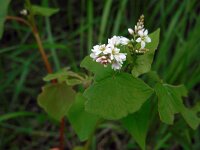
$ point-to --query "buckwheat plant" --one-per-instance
(121, 87)
(116, 83)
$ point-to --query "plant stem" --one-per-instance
(37, 38)
(19, 19)
(32, 25)
(42, 52)
(62, 128)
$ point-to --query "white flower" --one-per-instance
(116, 57)
(143, 38)
(131, 32)
(98, 49)
(114, 41)
(116, 65)
(117, 40)
(120, 57)
(114, 53)
(93, 56)
(110, 53)
(123, 40)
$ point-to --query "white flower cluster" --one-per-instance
(110, 53)
(140, 35)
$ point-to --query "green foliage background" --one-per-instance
(67, 37)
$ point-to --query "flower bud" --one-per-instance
(130, 31)
(24, 12)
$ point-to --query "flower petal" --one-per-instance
(108, 50)
(92, 55)
(145, 32)
(147, 39)
(142, 44)
(140, 33)
(124, 41)
(122, 56)
(111, 57)
(116, 50)
(116, 66)
(138, 40)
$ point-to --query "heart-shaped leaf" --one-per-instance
(56, 99)
(116, 96)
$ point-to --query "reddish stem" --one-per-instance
(62, 127)
(19, 20)
(46, 62)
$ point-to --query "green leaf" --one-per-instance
(116, 96)
(3, 12)
(166, 106)
(153, 78)
(190, 117)
(83, 122)
(61, 75)
(56, 99)
(170, 102)
(137, 124)
(143, 62)
(100, 72)
(43, 11)
(65, 75)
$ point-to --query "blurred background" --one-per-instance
(68, 37)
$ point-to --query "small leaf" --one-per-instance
(43, 11)
(83, 122)
(170, 102)
(65, 75)
(100, 72)
(3, 12)
(137, 124)
(143, 62)
(61, 75)
(116, 96)
(56, 99)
